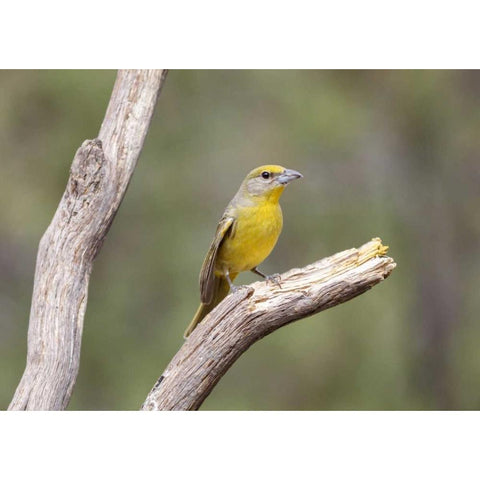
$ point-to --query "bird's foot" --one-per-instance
(274, 278)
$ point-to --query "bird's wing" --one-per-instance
(207, 274)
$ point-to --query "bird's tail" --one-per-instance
(221, 289)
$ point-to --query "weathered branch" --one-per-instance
(257, 310)
(99, 176)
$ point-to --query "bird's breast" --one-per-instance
(254, 235)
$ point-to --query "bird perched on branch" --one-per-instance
(245, 236)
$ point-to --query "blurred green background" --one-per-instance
(393, 154)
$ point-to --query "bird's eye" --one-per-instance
(265, 175)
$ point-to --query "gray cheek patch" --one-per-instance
(257, 186)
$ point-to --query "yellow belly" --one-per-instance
(256, 233)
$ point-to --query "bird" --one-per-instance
(246, 234)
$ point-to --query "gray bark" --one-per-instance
(99, 176)
(254, 311)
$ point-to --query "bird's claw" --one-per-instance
(274, 278)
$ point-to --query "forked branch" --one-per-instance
(257, 310)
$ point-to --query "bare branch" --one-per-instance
(257, 310)
(99, 176)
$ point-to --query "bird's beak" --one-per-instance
(288, 175)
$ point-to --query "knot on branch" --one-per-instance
(87, 170)
(85, 213)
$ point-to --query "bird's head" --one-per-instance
(269, 181)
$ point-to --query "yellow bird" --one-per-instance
(245, 236)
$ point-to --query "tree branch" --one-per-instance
(257, 310)
(99, 176)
